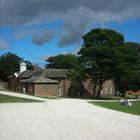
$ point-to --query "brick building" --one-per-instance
(40, 86)
(53, 82)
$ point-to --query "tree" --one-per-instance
(98, 57)
(9, 63)
(103, 37)
(128, 69)
(77, 76)
(62, 61)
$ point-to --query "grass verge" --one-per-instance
(11, 99)
(135, 109)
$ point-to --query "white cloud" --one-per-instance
(3, 44)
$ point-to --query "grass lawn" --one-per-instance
(105, 97)
(135, 109)
(11, 99)
(116, 97)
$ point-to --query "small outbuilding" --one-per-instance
(40, 86)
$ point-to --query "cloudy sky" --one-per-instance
(37, 29)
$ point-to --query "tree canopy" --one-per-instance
(98, 56)
(62, 61)
(127, 73)
(103, 37)
(105, 55)
(9, 63)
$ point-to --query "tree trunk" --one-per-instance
(116, 87)
(94, 91)
(99, 91)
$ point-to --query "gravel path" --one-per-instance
(65, 119)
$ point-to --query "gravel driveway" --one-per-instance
(65, 119)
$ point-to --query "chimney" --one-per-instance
(36, 67)
(23, 67)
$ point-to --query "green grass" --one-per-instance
(135, 109)
(11, 99)
(109, 97)
(105, 97)
(116, 97)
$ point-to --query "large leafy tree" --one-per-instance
(128, 69)
(9, 63)
(98, 56)
(62, 61)
(103, 37)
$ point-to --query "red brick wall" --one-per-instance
(46, 89)
(67, 86)
(63, 86)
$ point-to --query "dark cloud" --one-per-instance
(72, 32)
(77, 15)
(43, 37)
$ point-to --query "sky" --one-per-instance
(38, 29)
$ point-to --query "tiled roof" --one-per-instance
(39, 80)
(31, 73)
(55, 73)
(26, 74)
(48, 73)
(16, 74)
(37, 73)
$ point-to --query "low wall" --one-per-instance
(3, 85)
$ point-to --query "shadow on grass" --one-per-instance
(12, 99)
(94, 98)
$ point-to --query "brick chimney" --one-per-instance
(36, 67)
